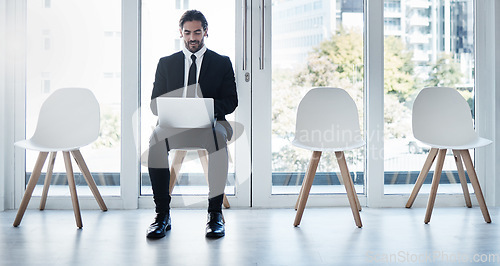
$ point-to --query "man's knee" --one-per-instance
(226, 128)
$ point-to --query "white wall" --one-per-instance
(2, 104)
(9, 49)
(497, 98)
(485, 95)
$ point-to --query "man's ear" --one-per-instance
(206, 32)
(180, 32)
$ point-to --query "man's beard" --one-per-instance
(196, 48)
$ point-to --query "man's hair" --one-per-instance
(193, 15)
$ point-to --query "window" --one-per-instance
(392, 24)
(435, 51)
(76, 53)
(392, 6)
(307, 56)
(86, 36)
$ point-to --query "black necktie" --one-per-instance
(191, 90)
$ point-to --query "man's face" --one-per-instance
(193, 34)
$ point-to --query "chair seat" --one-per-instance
(33, 145)
(475, 143)
(189, 149)
(349, 146)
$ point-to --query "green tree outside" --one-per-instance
(445, 72)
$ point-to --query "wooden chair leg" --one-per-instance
(475, 184)
(354, 191)
(461, 176)
(72, 189)
(48, 178)
(225, 202)
(176, 167)
(307, 183)
(341, 180)
(88, 178)
(35, 175)
(422, 176)
(229, 156)
(300, 194)
(435, 184)
(344, 171)
(203, 155)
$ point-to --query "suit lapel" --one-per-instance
(205, 64)
(179, 61)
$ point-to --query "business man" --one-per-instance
(193, 72)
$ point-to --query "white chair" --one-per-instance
(177, 164)
(68, 119)
(442, 119)
(327, 120)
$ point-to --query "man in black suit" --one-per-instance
(193, 72)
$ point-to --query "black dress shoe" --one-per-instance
(160, 225)
(215, 225)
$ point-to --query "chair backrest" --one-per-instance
(68, 119)
(327, 120)
(442, 118)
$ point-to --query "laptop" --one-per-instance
(185, 112)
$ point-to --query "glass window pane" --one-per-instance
(314, 43)
(427, 43)
(77, 43)
(160, 37)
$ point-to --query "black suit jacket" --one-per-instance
(216, 80)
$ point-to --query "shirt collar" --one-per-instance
(198, 54)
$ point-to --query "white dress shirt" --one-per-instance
(187, 65)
